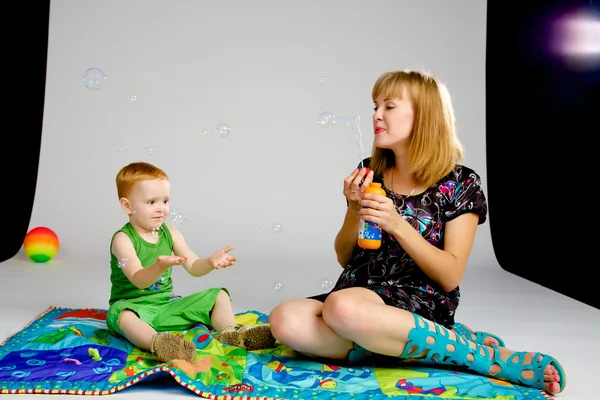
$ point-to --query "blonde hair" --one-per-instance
(134, 173)
(434, 148)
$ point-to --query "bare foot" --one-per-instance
(551, 375)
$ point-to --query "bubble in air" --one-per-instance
(223, 130)
(149, 150)
(355, 126)
(94, 78)
(277, 286)
(277, 228)
(121, 147)
(133, 98)
(204, 132)
(122, 262)
(326, 284)
(325, 118)
(348, 123)
(323, 78)
(175, 218)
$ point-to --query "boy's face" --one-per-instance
(148, 203)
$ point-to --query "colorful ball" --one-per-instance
(41, 244)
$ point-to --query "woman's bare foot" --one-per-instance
(551, 376)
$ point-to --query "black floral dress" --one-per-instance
(391, 273)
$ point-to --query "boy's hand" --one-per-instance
(168, 261)
(221, 258)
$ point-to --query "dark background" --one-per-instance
(542, 120)
(24, 56)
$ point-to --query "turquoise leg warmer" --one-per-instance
(479, 336)
(442, 348)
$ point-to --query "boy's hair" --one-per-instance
(434, 148)
(134, 173)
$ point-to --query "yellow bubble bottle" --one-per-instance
(369, 233)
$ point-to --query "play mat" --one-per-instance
(70, 351)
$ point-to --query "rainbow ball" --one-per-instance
(41, 244)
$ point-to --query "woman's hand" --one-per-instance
(380, 210)
(353, 187)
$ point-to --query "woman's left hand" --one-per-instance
(380, 210)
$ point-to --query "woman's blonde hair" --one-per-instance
(134, 173)
(434, 148)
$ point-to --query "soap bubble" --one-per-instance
(355, 126)
(325, 118)
(204, 132)
(122, 262)
(175, 218)
(277, 286)
(325, 284)
(223, 130)
(149, 150)
(323, 78)
(121, 147)
(277, 228)
(94, 78)
(133, 98)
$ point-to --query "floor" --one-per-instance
(526, 315)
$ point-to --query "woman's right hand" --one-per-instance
(353, 187)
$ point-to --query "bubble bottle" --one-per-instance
(369, 233)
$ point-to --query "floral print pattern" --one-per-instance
(391, 273)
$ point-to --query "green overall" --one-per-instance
(155, 305)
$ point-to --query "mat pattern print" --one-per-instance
(69, 351)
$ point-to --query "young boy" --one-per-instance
(142, 304)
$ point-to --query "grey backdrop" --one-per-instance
(267, 69)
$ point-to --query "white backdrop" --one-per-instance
(267, 69)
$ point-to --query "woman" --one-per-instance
(400, 299)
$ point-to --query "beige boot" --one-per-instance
(252, 337)
(168, 347)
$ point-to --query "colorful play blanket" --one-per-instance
(70, 351)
